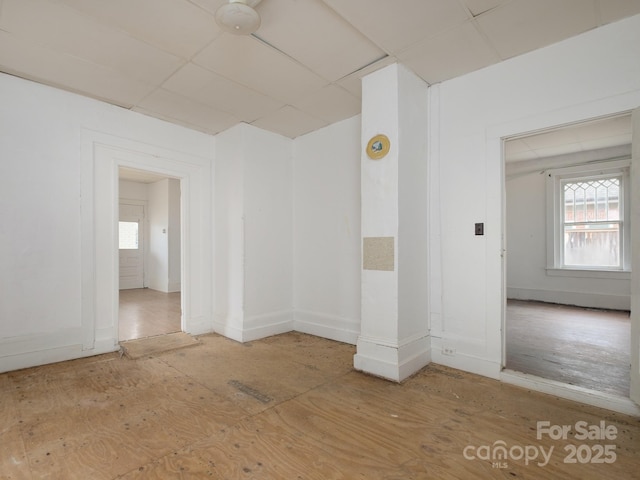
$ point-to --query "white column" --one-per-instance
(394, 338)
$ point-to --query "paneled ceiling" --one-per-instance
(299, 72)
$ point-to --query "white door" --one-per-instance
(635, 257)
(131, 246)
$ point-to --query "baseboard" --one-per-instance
(230, 327)
(45, 356)
(393, 362)
(571, 392)
(22, 344)
(255, 327)
(199, 325)
(467, 363)
(267, 325)
(326, 326)
(588, 300)
(102, 347)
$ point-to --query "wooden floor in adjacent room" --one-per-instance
(145, 313)
(579, 346)
(287, 407)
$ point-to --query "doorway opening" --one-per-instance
(567, 316)
(149, 252)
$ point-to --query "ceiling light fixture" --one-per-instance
(238, 17)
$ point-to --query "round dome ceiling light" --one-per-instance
(238, 17)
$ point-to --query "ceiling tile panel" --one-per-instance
(396, 25)
(608, 127)
(522, 25)
(478, 7)
(316, 36)
(209, 5)
(252, 63)
(449, 54)
(290, 122)
(557, 150)
(175, 26)
(331, 104)
(606, 142)
(552, 138)
(189, 80)
(353, 83)
(69, 73)
(63, 29)
(178, 109)
(203, 86)
(612, 10)
(517, 150)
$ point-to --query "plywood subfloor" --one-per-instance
(578, 346)
(146, 313)
(287, 407)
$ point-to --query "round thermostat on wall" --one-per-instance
(378, 147)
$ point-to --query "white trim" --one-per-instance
(581, 299)
(392, 363)
(463, 361)
(264, 325)
(336, 328)
(249, 328)
(104, 154)
(571, 392)
(36, 350)
(589, 273)
(228, 327)
(571, 114)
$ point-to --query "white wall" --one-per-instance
(591, 75)
(253, 234)
(228, 225)
(527, 278)
(174, 280)
(43, 255)
(163, 263)
(268, 229)
(326, 231)
(413, 213)
(158, 255)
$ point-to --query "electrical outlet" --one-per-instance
(448, 351)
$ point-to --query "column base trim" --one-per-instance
(395, 363)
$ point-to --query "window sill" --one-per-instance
(586, 273)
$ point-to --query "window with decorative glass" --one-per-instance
(590, 228)
(592, 222)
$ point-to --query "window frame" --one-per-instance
(555, 215)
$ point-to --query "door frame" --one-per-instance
(495, 136)
(103, 156)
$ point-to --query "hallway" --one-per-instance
(146, 313)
